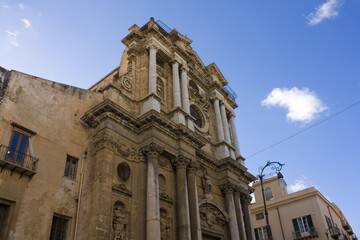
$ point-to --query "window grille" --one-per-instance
(58, 228)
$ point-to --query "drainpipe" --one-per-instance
(282, 230)
(79, 194)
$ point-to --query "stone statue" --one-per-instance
(164, 225)
(120, 222)
(207, 187)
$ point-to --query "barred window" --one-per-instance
(58, 228)
(70, 167)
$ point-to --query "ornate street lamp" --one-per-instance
(276, 166)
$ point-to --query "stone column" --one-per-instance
(234, 135)
(239, 215)
(152, 153)
(219, 125)
(228, 190)
(183, 218)
(246, 199)
(225, 124)
(194, 202)
(176, 84)
(152, 69)
(184, 90)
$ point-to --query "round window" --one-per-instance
(197, 115)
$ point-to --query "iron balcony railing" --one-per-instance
(233, 95)
(303, 235)
(345, 224)
(166, 28)
(17, 161)
(334, 232)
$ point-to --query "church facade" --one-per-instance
(148, 152)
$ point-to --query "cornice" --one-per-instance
(108, 109)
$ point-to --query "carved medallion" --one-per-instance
(123, 171)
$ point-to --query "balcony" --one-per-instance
(345, 224)
(311, 233)
(17, 161)
(334, 232)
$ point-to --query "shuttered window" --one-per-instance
(261, 233)
(303, 226)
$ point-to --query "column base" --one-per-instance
(178, 116)
(190, 122)
(222, 151)
(151, 102)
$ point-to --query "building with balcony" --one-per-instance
(148, 152)
(305, 214)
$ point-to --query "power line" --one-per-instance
(314, 125)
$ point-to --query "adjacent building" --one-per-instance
(148, 152)
(305, 214)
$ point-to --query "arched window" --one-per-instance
(197, 115)
(193, 85)
(268, 194)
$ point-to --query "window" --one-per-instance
(259, 216)
(18, 146)
(195, 113)
(58, 228)
(303, 226)
(268, 194)
(4, 213)
(328, 220)
(70, 167)
(261, 233)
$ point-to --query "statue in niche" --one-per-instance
(207, 187)
(120, 222)
(164, 225)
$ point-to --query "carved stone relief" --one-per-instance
(105, 140)
(120, 222)
(212, 217)
(164, 224)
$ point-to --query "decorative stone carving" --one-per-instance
(121, 188)
(105, 140)
(120, 222)
(164, 196)
(160, 88)
(127, 84)
(164, 225)
(123, 171)
(212, 217)
(152, 150)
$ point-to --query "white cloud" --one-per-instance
(5, 6)
(300, 183)
(327, 10)
(301, 104)
(21, 6)
(12, 38)
(26, 22)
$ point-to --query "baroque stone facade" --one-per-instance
(148, 152)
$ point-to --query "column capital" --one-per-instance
(175, 61)
(228, 187)
(152, 150)
(239, 191)
(246, 199)
(181, 162)
(193, 167)
(184, 67)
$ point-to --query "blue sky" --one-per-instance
(292, 64)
